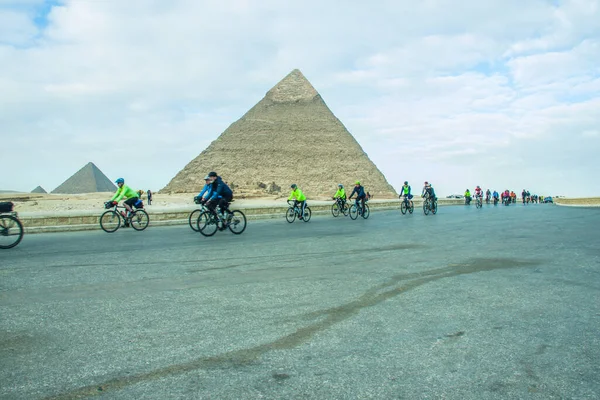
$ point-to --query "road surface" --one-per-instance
(468, 304)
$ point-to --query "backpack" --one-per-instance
(6, 207)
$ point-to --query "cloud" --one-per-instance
(475, 93)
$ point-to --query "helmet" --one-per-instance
(212, 174)
(357, 183)
(120, 180)
(427, 183)
(477, 186)
(406, 182)
(340, 185)
(207, 177)
(294, 186)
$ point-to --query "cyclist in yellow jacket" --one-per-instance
(299, 198)
(125, 191)
(341, 195)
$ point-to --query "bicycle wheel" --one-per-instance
(434, 207)
(237, 222)
(140, 220)
(353, 211)
(110, 221)
(193, 219)
(426, 207)
(366, 212)
(403, 208)
(290, 215)
(11, 231)
(346, 209)
(412, 207)
(335, 209)
(479, 205)
(307, 214)
(207, 225)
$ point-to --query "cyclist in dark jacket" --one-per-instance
(359, 191)
(220, 194)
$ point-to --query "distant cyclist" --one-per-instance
(428, 191)
(299, 199)
(488, 195)
(359, 191)
(467, 197)
(405, 191)
(124, 191)
(340, 195)
(204, 194)
(496, 196)
(220, 194)
(478, 192)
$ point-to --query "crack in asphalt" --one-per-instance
(328, 318)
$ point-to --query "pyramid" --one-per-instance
(88, 179)
(38, 189)
(290, 136)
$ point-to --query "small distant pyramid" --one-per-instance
(290, 136)
(39, 189)
(88, 179)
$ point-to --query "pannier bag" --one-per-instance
(6, 207)
(139, 204)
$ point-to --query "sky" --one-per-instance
(502, 94)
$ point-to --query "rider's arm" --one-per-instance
(292, 195)
(352, 194)
(119, 194)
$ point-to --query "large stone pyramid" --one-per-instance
(88, 179)
(290, 136)
(39, 189)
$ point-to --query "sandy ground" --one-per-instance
(28, 202)
(587, 201)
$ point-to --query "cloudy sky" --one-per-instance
(504, 94)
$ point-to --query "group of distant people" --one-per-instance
(507, 196)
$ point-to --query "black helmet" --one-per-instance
(294, 186)
(406, 182)
(212, 174)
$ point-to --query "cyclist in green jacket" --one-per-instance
(126, 192)
(341, 195)
(299, 198)
(405, 190)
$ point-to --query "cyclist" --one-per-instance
(478, 192)
(340, 195)
(124, 191)
(495, 195)
(488, 194)
(506, 196)
(428, 191)
(467, 197)
(405, 191)
(359, 191)
(299, 198)
(220, 194)
(205, 193)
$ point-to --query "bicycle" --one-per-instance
(294, 211)
(478, 202)
(210, 221)
(357, 209)
(407, 205)
(430, 205)
(111, 220)
(11, 229)
(194, 215)
(339, 206)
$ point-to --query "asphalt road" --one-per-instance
(468, 304)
